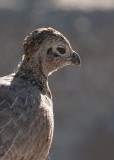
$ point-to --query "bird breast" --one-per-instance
(41, 132)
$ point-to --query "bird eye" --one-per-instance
(61, 49)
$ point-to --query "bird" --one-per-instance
(26, 104)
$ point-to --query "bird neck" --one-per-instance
(32, 73)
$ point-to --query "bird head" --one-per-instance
(49, 49)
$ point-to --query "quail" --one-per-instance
(26, 107)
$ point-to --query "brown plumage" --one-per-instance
(26, 109)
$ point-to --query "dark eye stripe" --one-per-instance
(61, 50)
(49, 51)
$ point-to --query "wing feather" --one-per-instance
(25, 123)
(15, 106)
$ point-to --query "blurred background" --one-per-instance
(83, 96)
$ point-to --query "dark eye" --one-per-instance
(61, 50)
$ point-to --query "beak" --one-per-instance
(75, 59)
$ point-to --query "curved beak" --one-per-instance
(74, 59)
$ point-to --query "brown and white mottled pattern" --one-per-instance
(26, 108)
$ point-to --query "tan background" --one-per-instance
(83, 97)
